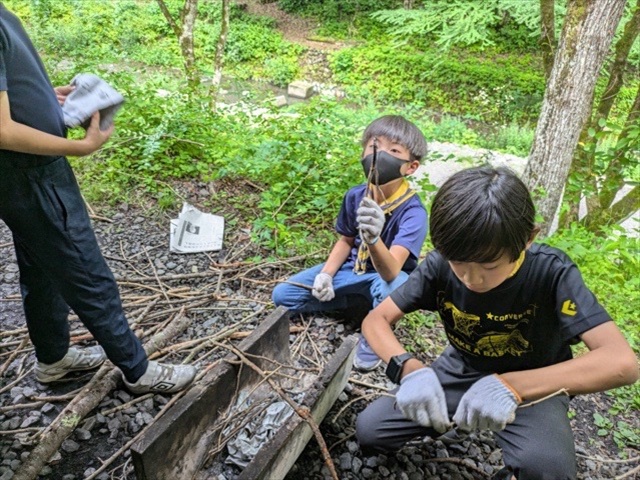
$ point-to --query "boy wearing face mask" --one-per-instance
(382, 225)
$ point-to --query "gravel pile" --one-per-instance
(136, 246)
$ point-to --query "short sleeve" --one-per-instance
(412, 231)
(346, 222)
(576, 306)
(419, 292)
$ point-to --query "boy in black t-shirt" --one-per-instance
(510, 309)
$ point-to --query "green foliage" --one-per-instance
(610, 266)
(307, 158)
(514, 24)
(499, 88)
(613, 154)
(624, 435)
(335, 10)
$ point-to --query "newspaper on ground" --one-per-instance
(195, 231)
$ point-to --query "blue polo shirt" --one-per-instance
(405, 226)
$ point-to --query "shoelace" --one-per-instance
(166, 372)
(84, 359)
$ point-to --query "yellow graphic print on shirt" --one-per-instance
(463, 322)
(506, 339)
(569, 308)
(498, 344)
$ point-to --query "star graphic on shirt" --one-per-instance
(490, 316)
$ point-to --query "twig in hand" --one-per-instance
(301, 285)
(562, 391)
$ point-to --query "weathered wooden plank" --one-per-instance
(175, 447)
(278, 455)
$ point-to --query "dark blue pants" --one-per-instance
(61, 265)
(538, 445)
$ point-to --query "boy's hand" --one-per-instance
(490, 403)
(63, 92)
(370, 218)
(95, 137)
(323, 287)
(421, 399)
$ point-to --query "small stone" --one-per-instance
(345, 461)
(442, 453)
(367, 473)
(46, 471)
(30, 420)
(280, 101)
(356, 465)
(82, 434)
(495, 457)
(70, 446)
(300, 89)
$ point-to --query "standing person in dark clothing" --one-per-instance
(60, 263)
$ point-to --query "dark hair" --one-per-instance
(397, 129)
(480, 214)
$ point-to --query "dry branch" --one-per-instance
(302, 412)
(105, 380)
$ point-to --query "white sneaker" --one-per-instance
(75, 360)
(163, 378)
(365, 360)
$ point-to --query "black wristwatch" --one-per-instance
(394, 368)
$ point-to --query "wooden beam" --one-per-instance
(278, 455)
(175, 447)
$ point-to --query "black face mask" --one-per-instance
(387, 165)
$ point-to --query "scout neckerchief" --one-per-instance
(401, 195)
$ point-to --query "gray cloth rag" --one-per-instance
(91, 94)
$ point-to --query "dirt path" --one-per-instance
(295, 29)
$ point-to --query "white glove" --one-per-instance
(323, 287)
(488, 404)
(421, 399)
(370, 218)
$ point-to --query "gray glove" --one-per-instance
(421, 399)
(488, 404)
(370, 218)
(323, 287)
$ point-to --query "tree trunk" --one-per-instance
(547, 35)
(184, 32)
(219, 58)
(188, 16)
(585, 40)
(583, 160)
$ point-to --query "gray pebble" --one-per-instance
(70, 446)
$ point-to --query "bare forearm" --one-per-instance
(21, 138)
(377, 329)
(595, 371)
(384, 262)
(609, 363)
(339, 254)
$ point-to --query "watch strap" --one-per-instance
(394, 368)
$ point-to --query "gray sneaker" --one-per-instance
(364, 359)
(76, 360)
(163, 378)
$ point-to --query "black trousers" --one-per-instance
(61, 265)
(538, 445)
